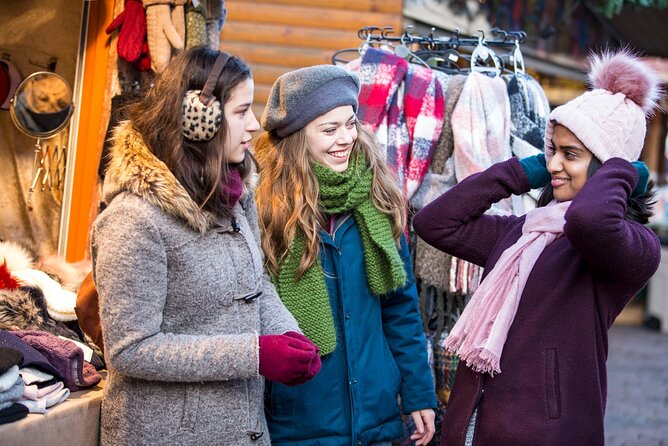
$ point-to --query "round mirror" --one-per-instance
(42, 105)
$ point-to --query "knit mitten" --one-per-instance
(195, 26)
(215, 18)
(131, 24)
(536, 170)
(286, 359)
(643, 178)
(162, 35)
(179, 20)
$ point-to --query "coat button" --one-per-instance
(255, 436)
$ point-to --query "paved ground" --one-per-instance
(637, 410)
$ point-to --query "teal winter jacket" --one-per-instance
(380, 356)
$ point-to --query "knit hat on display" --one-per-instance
(610, 119)
(300, 96)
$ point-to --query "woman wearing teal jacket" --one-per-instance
(332, 227)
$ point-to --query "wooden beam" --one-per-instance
(267, 74)
(283, 56)
(297, 36)
(386, 6)
(307, 16)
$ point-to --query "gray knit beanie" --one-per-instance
(300, 96)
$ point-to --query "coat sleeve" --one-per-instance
(624, 251)
(275, 318)
(402, 326)
(455, 222)
(130, 271)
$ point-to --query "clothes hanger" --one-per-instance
(405, 53)
(484, 53)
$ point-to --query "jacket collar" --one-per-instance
(134, 168)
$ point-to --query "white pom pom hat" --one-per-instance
(610, 119)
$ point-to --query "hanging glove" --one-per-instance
(286, 359)
(179, 20)
(131, 24)
(144, 61)
(536, 170)
(162, 36)
(215, 18)
(195, 25)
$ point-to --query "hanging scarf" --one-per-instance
(481, 331)
(307, 298)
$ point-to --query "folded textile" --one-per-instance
(40, 405)
(33, 392)
(32, 375)
(8, 397)
(8, 378)
(31, 356)
(13, 413)
(65, 356)
(9, 357)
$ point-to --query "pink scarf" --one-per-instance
(481, 331)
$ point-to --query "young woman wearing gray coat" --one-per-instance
(189, 318)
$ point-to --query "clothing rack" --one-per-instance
(375, 34)
(445, 53)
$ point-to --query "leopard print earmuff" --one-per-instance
(202, 111)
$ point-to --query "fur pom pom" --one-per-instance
(16, 256)
(18, 311)
(624, 72)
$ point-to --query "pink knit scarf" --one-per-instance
(481, 331)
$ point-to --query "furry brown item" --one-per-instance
(18, 311)
(134, 168)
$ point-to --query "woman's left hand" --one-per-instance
(424, 426)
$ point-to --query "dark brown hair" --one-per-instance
(199, 167)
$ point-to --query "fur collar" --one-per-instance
(133, 168)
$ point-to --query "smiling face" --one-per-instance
(330, 137)
(241, 122)
(569, 165)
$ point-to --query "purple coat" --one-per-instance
(552, 386)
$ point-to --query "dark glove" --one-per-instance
(316, 364)
(286, 359)
(536, 170)
(643, 178)
(132, 24)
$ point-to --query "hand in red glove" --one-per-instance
(316, 364)
(132, 24)
(287, 359)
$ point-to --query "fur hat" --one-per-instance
(300, 96)
(610, 119)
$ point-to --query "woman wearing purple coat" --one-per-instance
(533, 340)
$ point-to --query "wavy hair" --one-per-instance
(287, 195)
(200, 167)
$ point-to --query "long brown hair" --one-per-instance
(199, 167)
(287, 196)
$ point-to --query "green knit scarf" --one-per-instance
(307, 298)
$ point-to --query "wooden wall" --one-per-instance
(276, 36)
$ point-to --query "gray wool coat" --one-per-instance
(181, 343)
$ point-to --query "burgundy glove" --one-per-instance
(286, 359)
(316, 364)
(132, 24)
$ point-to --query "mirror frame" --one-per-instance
(40, 135)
